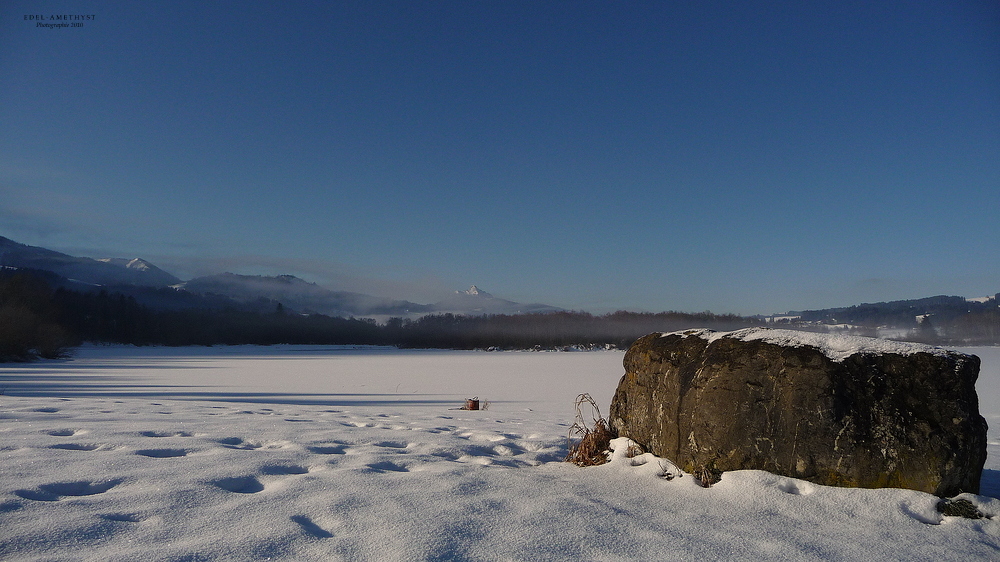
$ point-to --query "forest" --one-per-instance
(42, 318)
(37, 320)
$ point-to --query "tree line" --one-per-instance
(940, 320)
(37, 320)
(30, 320)
(40, 316)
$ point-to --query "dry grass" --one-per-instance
(669, 470)
(633, 450)
(708, 475)
(594, 439)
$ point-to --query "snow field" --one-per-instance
(224, 454)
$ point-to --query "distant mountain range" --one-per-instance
(302, 296)
(158, 289)
(298, 295)
(108, 271)
(936, 310)
(141, 279)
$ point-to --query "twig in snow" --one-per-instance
(595, 439)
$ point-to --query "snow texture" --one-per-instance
(305, 453)
(837, 347)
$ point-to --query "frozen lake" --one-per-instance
(325, 376)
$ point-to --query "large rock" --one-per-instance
(834, 410)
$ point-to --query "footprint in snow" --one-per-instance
(505, 451)
(76, 446)
(239, 484)
(283, 469)
(238, 443)
(122, 517)
(65, 432)
(162, 453)
(328, 450)
(164, 434)
(532, 446)
(449, 455)
(58, 490)
(387, 466)
(311, 528)
(7, 507)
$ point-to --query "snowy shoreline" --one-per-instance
(307, 454)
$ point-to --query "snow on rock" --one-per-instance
(837, 347)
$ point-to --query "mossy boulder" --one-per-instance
(833, 410)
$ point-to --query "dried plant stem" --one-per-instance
(595, 438)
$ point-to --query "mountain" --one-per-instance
(141, 272)
(301, 296)
(904, 313)
(476, 301)
(149, 285)
(107, 271)
(475, 292)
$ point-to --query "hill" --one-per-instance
(106, 271)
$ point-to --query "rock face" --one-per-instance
(833, 410)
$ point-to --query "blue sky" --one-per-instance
(726, 156)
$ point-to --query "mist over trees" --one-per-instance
(548, 330)
(39, 321)
(41, 316)
(939, 320)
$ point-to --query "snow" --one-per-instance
(316, 453)
(475, 292)
(134, 263)
(837, 347)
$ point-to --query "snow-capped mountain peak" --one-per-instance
(475, 292)
(107, 271)
(138, 264)
(138, 269)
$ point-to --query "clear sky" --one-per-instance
(748, 157)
